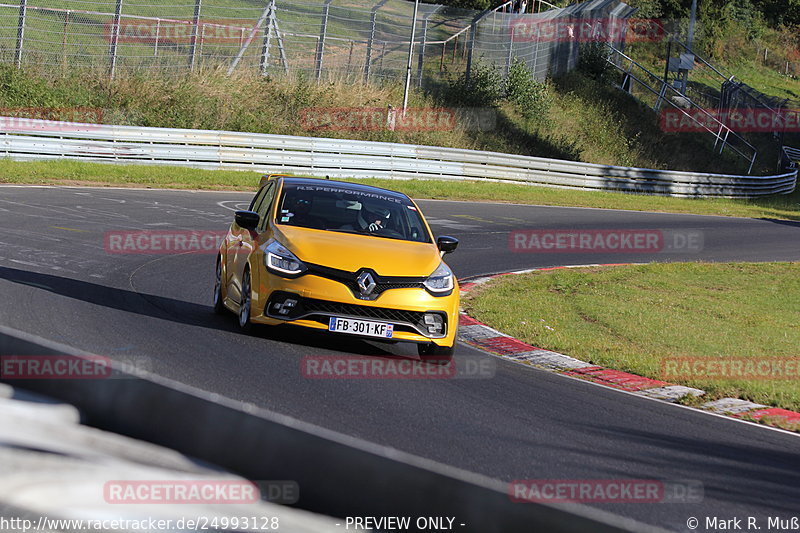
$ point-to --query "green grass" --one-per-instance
(62, 172)
(587, 121)
(83, 39)
(632, 318)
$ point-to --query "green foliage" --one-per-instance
(484, 88)
(646, 8)
(778, 12)
(531, 97)
(745, 14)
(592, 61)
(487, 88)
(479, 5)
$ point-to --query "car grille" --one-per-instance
(362, 311)
(382, 283)
(322, 310)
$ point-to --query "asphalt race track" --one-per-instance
(58, 281)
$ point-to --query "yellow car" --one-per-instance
(341, 257)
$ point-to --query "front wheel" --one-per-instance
(219, 306)
(435, 354)
(244, 305)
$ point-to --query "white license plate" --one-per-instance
(361, 327)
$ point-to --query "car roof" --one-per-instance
(292, 180)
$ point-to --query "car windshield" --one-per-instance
(346, 210)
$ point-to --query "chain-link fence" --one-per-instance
(764, 120)
(328, 38)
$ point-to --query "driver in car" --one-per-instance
(376, 219)
(369, 220)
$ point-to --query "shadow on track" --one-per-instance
(182, 312)
(773, 478)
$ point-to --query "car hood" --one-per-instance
(350, 252)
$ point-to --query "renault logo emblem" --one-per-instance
(366, 283)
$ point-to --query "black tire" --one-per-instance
(245, 303)
(219, 306)
(435, 354)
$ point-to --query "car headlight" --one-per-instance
(440, 283)
(279, 260)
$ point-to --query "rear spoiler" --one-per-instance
(266, 177)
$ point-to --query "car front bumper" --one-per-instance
(320, 298)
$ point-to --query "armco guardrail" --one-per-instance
(24, 139)
(337, 475)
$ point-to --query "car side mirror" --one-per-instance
(446, 244)
(247, 219)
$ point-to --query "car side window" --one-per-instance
(258, 198)
(265, 206)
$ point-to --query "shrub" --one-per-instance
(485, 87)
(531, 97)
(592, 61)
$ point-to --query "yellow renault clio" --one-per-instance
(342, 257)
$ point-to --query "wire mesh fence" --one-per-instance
(324, 38)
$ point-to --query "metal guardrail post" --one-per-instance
(323, 31)
(193, 38)
(115, 39)
(371, 40)
(23, 9)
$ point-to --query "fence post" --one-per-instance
(371, 40)
(410, 61)
(158, 35)
(115, 39)
(64, 41)
(267, 37)
(350, 57)
(473, 31)
(243, 47)
(323, 31)
(421, 59)
(193, 38)
(23, 9)
(510, 52)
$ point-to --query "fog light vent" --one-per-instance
(434, 323)
(285, 307)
